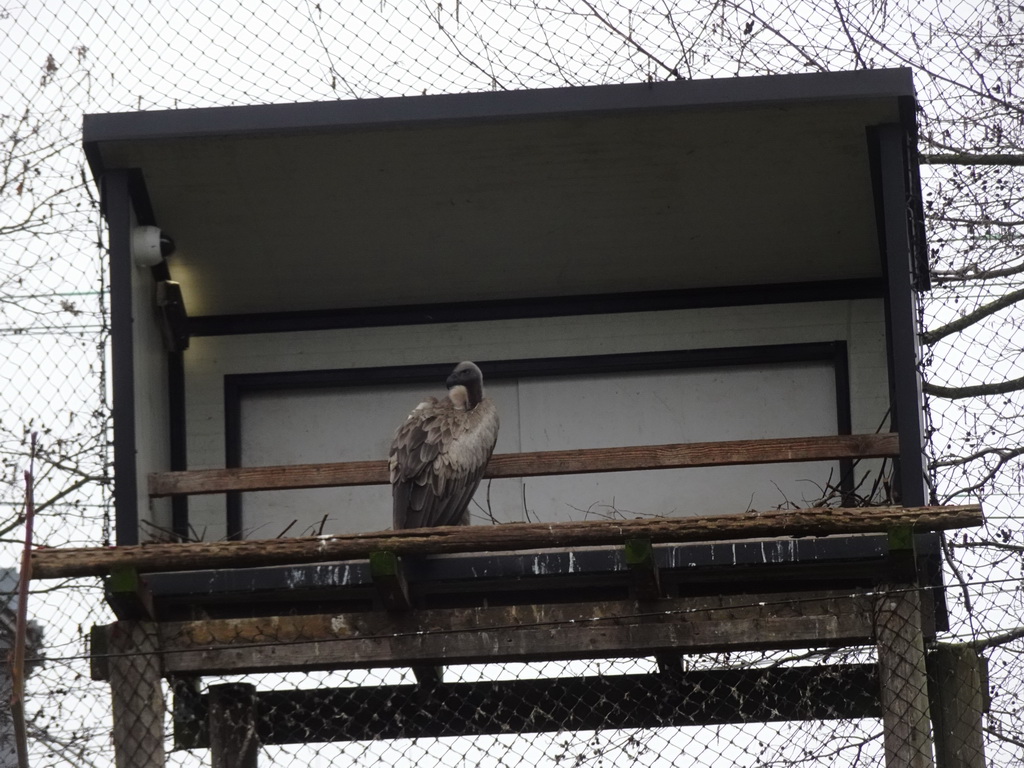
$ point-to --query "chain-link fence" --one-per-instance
(61, 60)
(855, 706)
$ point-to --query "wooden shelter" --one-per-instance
(631, 265)
(688, 299)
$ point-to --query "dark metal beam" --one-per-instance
(535, 103)
(572, 703)
(117, 206)
(515, 309)
(897, 238)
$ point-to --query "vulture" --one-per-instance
(439, 454)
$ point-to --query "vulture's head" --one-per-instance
(466, 385)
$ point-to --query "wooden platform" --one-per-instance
(427, 599)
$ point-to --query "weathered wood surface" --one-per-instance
(957, 679)
(550, 705)
(97, 561)
(137, 695)
(903, 681)
(514, 633)
(232, 718)
(581, 461)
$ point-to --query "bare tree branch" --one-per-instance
(846, 30)
(970, 158)
(64, 492)
(1001, 639)
(972, 273)
(977, 221)
(986, 310)
(808, 59)
(974, 390)
(1004, 454)
(1000, 545)
(1003, 736)
(628, 37)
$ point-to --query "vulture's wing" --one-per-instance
(414, 450)
(465, 460)
(437, 459)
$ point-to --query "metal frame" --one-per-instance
(178, 434)
(117, 207)
(898, 206)
(509, 105)
(519, 309)
(237, 385)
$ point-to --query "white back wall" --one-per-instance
(733, 402)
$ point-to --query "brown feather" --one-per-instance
(437, 459)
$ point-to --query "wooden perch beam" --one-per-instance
(513, 633)
(674, 456)
(97, 561)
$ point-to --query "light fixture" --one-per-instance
(150, 246)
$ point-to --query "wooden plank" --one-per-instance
(99, 652)
(956, 674)
(580, 461)
(187, 702)
(546, 705)
(136, 693)
(388, 576)
(514, 633)
(906, 719)
(232, 719)
(178, 556)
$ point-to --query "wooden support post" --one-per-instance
(647, 587)
(902, 555)
(232, 723)
(389, 578)
(99, 652)
(393, 588)
(137, 697)
(902, 678)
(641, 563)
(957, 677)
(186, 702)
(128, 594)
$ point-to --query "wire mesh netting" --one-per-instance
(62, 60)
(744, 708)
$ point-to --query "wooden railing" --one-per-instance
(673, 456)
(201, 555)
